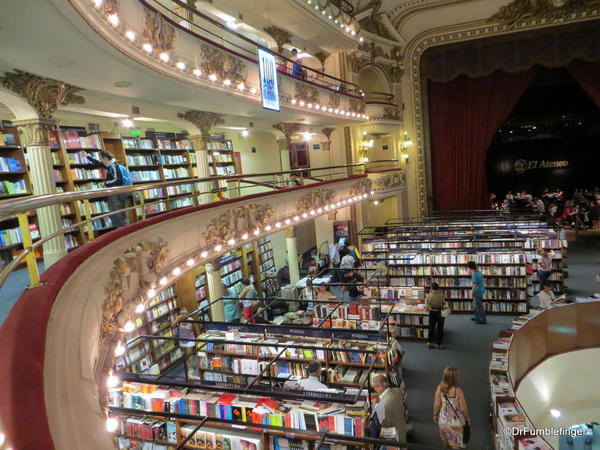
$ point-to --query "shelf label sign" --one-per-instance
(269, 88)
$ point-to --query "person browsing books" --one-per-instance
(312, 382)
(390, 411)
(116, 175)
(323, 293)
(231, 306)
(478, 291)
(249, 294)
(434, 303)
(546, 296)
(544, 265)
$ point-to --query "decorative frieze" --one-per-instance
(315, 199)
(280, 36)
(361, 187)
(306, 93)
(203, 120)
(158, 32)
(235, 221)
(556, 10)
(389, 181)
(223, 64)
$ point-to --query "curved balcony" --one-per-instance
(384, 115)
(190, 47)
(553, 364)
(76, 316)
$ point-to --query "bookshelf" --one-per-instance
(232, 264)
(221, 161)
(154, 356)
(267, 270)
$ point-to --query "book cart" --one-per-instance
(170, 407)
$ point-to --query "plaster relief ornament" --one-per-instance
(389, 181)
(45, 95)
(522, 10)
(159, 32)
(307, 93)
(362, 187)
(222, 64)
(235, 221)
(315, 199)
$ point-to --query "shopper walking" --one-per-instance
(116, 175)
(249, 295)
(231, 305)
(477, 291)
(544, 265)
(435, 303)
(390, 411)
(450, 411)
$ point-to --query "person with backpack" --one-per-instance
(116, 175)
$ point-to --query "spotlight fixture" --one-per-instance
(113, 19)
(164, 57)
(130, 35)
(151, 294)
(212, 77)
(140, 308)
(204, 254)
(127, 122)
(190, 262)
(256, 232)
(244, 236)
(241, 86)
(227, 82)
(268, 228)
(180, 65)
(231, 242)
(245, 133)
(129, 326)
(287, 221)
(218, 248)
(147, 48)
(253, 90)
(197, 72)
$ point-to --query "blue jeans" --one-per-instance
(479, 310)
(543, 275)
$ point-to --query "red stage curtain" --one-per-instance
(464, 114)
(587, 75)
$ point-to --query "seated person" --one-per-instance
(310, 383)
(323, 293)
(295, 180)
(547, 297)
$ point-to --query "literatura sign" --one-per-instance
(522, 165)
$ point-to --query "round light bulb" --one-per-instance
(176, 271)
(278, 225)
(312, 212)
(204, 254)
(326, 207)
(190, 262)
(129, 326)
(317, 107)
(140, 308)
(287, 221)
(294, 101)
(241, 86)
(319, 211)
(97, 4)
(112, 381)
(163, 281)
(218, 248)
(310, 105)
(130, 35)
(181, 65)
(227, 82)
(113, 19)
(296, 218)
(164, 57)
(245, 236)
(119, 350)
(302, 102)
(372, 192)
(256, 232)
(147, 48)
(212, 77)
(231, 241)
(151, 294)
(112, 424)
(197, 72)
(253, 90)
(268, 228)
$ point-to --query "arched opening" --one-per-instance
(375, 85)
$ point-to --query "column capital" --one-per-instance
(203, 120)
(290, 232)
(45, 95)
(34, 132)
(280, 36)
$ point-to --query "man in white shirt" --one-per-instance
(334, 257)
(312, 382)
(546, 296)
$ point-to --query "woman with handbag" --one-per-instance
(450, 411)
(438, 310)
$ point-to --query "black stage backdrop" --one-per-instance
(534, 165)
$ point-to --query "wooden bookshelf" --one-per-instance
(267, 267)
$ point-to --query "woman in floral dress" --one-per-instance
(450, 411)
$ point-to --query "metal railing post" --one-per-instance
(34, 275)
(88, 213)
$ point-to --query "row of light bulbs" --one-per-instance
(112, 380)
(165, 57)
(182, 66)
(348, 28)
(324, 108)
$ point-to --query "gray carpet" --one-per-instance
(12, 289)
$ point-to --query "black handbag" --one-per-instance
(466, 426)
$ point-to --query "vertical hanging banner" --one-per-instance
(268, 80)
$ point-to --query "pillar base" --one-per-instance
(51, 256)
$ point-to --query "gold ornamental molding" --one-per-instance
(446, 35)
(223, 64)
(322, 57)
(362, 187)
(203, 120)
(392, 113)
(315, 199)
(556, 10)
(131, 275)
(306, 93)
(45, 95)
(34, 132)
(159, 32)
(327, 132)
(236, 221)
(280, 36)
(357, 106)
(390, 181)
(288, 129)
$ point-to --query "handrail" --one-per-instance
(344, 5)
(338, 84)
(379, 97)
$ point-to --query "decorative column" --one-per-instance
(204, 121)
(45, 95)
(280, 36)
(292, 251)
(327, 132)
(288, 129)
(215, 291)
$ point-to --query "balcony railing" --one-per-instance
(379, 98)
(236, 186)
(205, 28)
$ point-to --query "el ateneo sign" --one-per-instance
(522, 165)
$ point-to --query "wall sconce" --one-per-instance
(404, 147)
(245, 133)
(364, 150)
(127, 122)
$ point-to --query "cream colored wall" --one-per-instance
(305, 236)
(279, 249)
(323, 233)
(376, 215)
